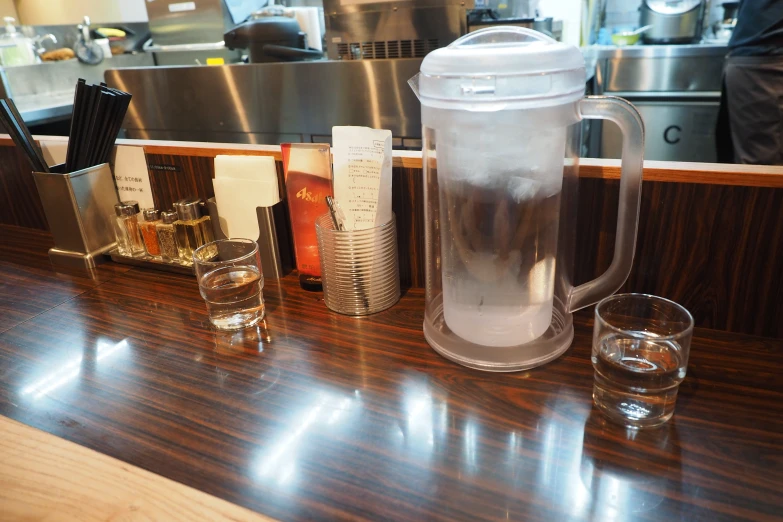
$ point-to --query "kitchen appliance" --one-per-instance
(673, 21)
(192, 32)
(482, 19)
(501, 111)
(509, 8)
(367, 29)
(723, 29)
(676, 89)
(271, 39)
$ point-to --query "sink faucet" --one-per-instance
(39, 40)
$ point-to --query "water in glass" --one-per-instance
(233, 296)
(637, 378)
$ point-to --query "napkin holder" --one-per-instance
(274, 239)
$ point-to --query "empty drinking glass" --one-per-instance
(640, 353)
(230, 280)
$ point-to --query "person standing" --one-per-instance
(752, 101)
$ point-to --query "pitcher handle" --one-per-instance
(630, 122)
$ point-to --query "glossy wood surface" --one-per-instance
(28, 286)
(43, 477)
(322, 416)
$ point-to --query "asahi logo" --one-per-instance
(308, 196)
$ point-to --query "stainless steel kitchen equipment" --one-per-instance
(673, 21)
(676, 88)
(183, 32)
(79, 207)
(44, 92)
(367, 29)
(481, 20)
(271, 102)
(508, 9)
(723, 29)
(271, 39)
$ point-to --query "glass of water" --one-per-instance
(640, 353)
(230, 280)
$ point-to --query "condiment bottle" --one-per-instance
(149, 232)
(167, 236)
(126, 229)
(193, 230)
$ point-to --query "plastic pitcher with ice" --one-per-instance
(501, 115)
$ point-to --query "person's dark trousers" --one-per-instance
(754, 103)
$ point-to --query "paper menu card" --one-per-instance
(132, 176)
(362, 159)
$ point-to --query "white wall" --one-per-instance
(7, 8)
(570, 12)
(57, 12)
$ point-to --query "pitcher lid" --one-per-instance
(503, 64)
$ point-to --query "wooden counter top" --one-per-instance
(321, 416)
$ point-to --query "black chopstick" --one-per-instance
(98, 113)
(21, 136)
(78, 102)
(26, 133)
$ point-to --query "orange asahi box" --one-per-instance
(308, 180)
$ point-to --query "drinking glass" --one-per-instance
(640, 353)
(230, 280)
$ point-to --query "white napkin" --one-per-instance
(241, 184)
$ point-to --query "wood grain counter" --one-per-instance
(319, 416)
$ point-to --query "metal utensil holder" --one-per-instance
(274, 238)
(359, 269)
(79, 207)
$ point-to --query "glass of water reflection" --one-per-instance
(230, 280)
(640, 353)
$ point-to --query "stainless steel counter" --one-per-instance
(676, 88)
(272, 102)
(44, 92)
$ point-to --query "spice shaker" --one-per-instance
(126, 229)
(192, 229)
(167, 236)
(149, 232)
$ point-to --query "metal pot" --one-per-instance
(673, 21)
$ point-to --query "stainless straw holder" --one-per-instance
(79, 207)
(359, 269)
(274, 243)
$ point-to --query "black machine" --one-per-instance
(271, 39)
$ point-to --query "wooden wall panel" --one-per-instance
(715, 249)
(408, 207)
(174, 177)
(19, 201)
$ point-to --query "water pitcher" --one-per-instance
(501, 113)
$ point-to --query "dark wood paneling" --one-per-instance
(321, 416)
(717, 250)
(408, 207)
(19, 201)
(175, 177)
